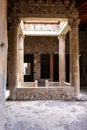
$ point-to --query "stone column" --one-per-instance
(74, 57)
(3, 59)
(14, 75)
(21, 58)
(61, 59)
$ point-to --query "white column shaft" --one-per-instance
(61, 59)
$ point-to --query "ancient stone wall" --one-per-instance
(40, 93)
(41, 9)
(41, 45)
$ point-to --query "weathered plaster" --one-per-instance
(3, 59)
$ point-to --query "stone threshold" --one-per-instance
(45, 93)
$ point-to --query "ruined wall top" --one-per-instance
(42, 8)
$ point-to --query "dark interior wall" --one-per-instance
(83, 57)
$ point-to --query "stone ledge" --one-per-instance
(29, 84)
(45, 93)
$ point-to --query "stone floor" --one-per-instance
(46, 115)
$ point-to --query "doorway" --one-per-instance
(28, 67)
(67, 68)
(55, 67)
(45, 66)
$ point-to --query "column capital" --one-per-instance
(15, 22)
(62, 37)
(73, 23)
(66, 2)
(21, 36)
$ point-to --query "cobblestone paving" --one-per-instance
(46, 115)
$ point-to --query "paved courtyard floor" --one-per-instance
(46, 115)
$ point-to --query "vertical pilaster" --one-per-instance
(21, 58)
(3, 59)
(61, 59)
(14, 75)
(74, 57)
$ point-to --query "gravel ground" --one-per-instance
(46, 115)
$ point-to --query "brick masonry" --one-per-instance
(42, 93)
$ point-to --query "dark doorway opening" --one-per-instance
(45, 66)
(67, 68)
(55, 67)
(83, 69)
(28, 67)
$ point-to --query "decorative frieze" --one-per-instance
(41, 27)
(44, 28)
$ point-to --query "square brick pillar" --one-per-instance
(74, 57)
(3, 59)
